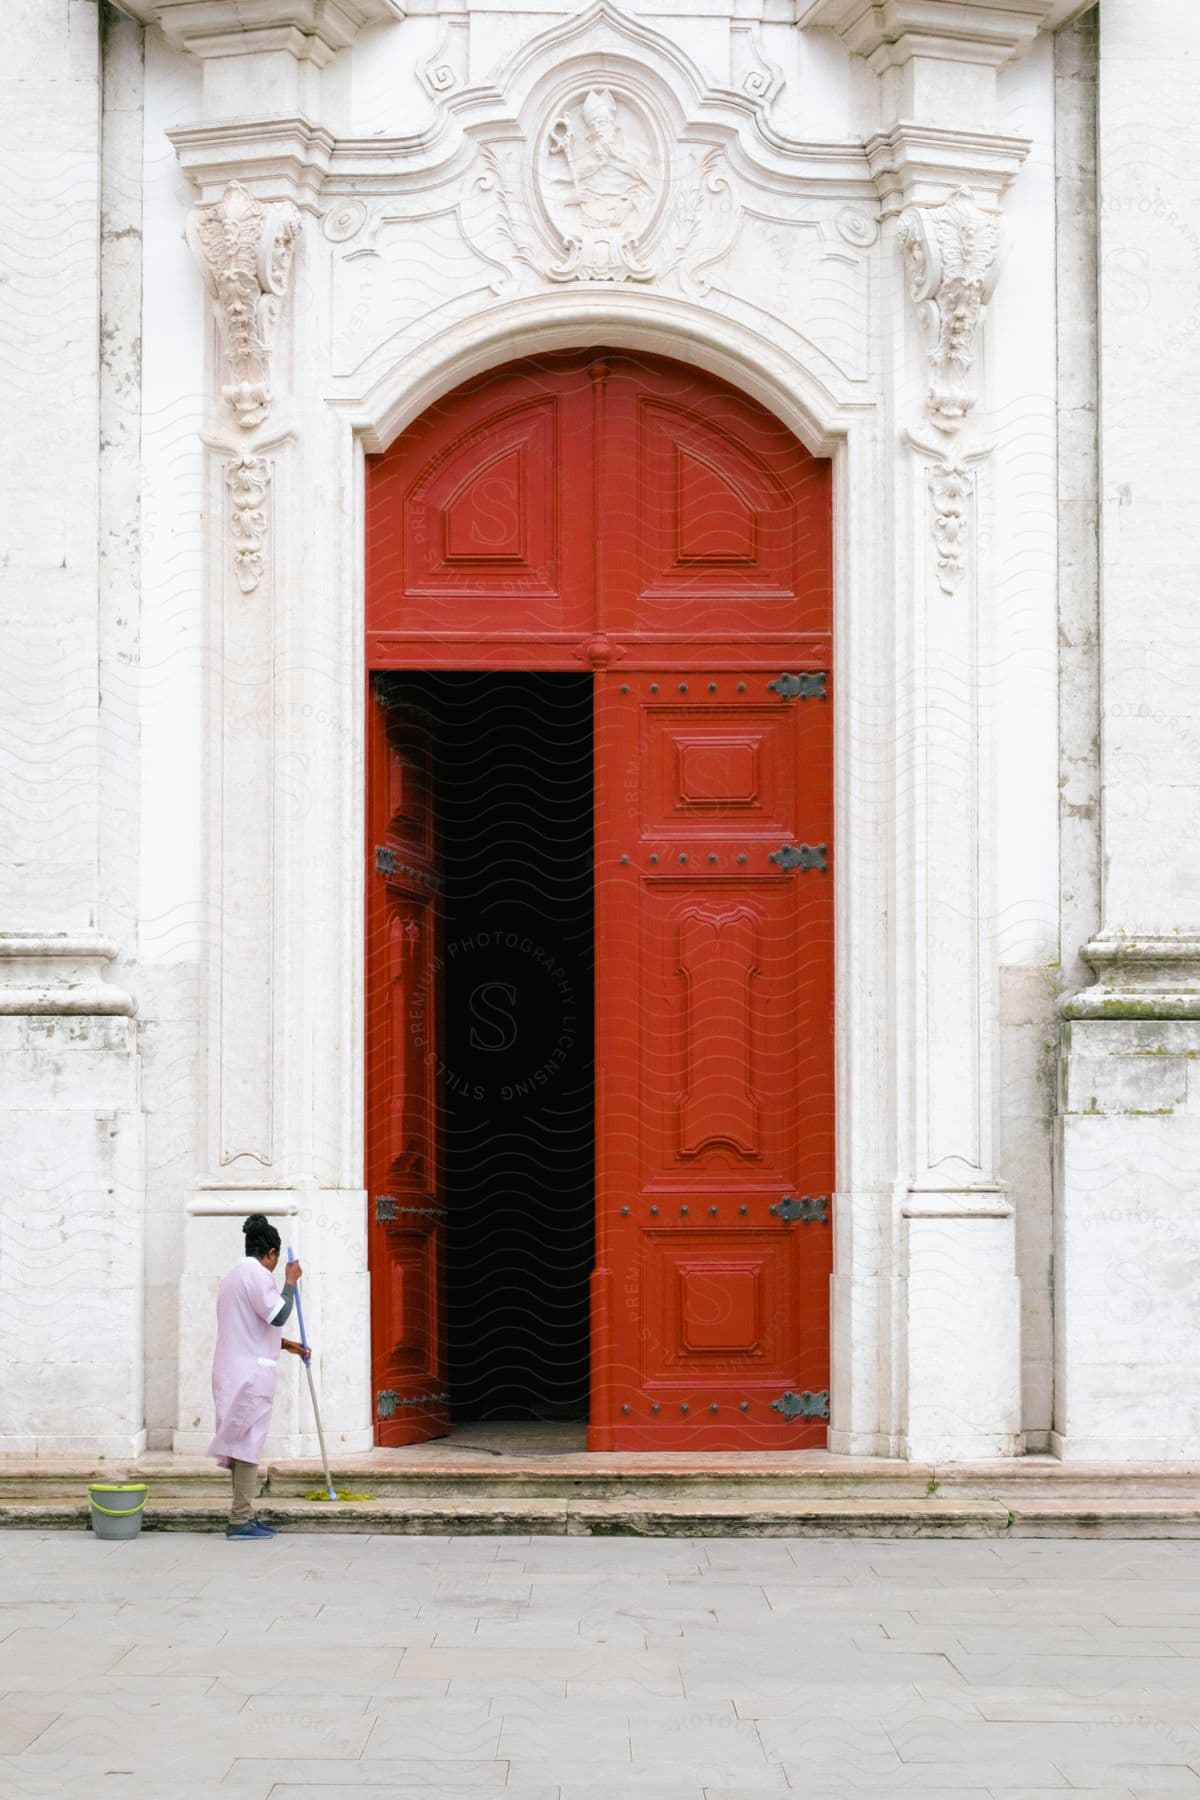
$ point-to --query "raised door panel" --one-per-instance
(478, 520)
(402, 1102)
(715, 1110)
(718, 519)
(718, 1059)
(482, 516)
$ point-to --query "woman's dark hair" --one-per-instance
(261, 1238)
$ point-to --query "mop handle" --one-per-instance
(299, 1306)
(312, 1390)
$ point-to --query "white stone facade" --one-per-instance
(955, 246)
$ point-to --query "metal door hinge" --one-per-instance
(802, 1406)
(810, 1209)
(799, 856)
(388, 1209)
(800, 687)
(388, 1402)
(388, 862)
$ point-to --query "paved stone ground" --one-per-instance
(500, 1668)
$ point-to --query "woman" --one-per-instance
(250, 1313)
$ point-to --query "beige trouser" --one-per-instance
(245, 1491)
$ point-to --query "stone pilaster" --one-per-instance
(946, 1246)
(273, 1135)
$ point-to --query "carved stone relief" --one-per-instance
(596, 202)
(248, 478)
(245, 249)
(603, 197)
(856, 227)
(953, 255)
(952, 251)
(950, 489)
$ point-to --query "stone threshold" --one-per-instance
(805, 1493)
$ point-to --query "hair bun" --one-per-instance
(256, 1222)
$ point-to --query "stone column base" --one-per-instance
(1127, 1241)
(959, 1306)
(72, 1339)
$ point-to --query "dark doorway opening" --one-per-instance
(514, 803)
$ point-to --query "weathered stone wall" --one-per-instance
(1127, 1229)
(71, 1204)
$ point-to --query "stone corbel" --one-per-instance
(952, 253)
(953, 257)
(245, 247)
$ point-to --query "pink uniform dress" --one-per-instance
(245, 1362)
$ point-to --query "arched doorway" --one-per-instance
(642, 531)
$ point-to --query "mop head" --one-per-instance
(338, 1494)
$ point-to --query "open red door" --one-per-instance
(406, 1217)
(715, 1140)
(610, 511)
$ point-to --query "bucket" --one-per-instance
(117, 1507)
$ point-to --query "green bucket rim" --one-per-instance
(116, 1487)
(118, 1512)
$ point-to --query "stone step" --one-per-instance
(418, 1470)
(643, 1514)
(730, 1480)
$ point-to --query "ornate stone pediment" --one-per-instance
(602, 153)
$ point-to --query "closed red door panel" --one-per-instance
(405, 1221)
(715, 1109)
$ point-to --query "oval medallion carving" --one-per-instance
(602, 183)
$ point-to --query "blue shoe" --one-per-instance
(246, 1531)
(263, 1529)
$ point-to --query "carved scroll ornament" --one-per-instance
(952, 251)
(949, 496)
(245, 248)
(248, 478)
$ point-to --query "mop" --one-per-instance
(331, 1493)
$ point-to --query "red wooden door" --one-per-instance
(406, 1217)
(715, 1103)
(642, 519)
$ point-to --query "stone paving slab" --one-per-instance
(513, 1667)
